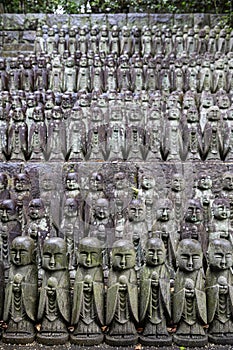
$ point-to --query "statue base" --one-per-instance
(50, 338)
(122, 340)
(18, 338)
(191, 342)
(96, 339)
(155, 341)
(222, 339)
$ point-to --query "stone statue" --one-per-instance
(220, 225)
(192, 135)
(56, 142)
(54, 300)
(227, 190)
(193, 226)
(18, 136)
(37, 136)
(38, 225)
(177, 196)
(88, 299)
(219, 279)
(122, 296)
(4, 187)
(164, 227)
(155, 299)
(21, 294)
(189, 299)
(76, 135)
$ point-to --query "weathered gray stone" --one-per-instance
(11, 37)
(161, 19)
(215, 19)
(79, 20)
(98, 19)
(137, 19)
(58, 20)
(29, 36)
(183, 19)
(33, 20)
(118, 19)
(201, 19)
(13, 21)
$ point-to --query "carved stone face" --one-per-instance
(36, 209)
(96, 182)
(121, 181)
(22, 251)
(54, 254)
(72, 181)
(8, 210)
(123, 255)
(148, 182)
(221, 209)
(17, 283)
(220, 254)
(189, 255)
(136, 211)
(38, 114)
(227, 182)
(204, 182)
(18, 115)
(177, 184)
(47, 184)
(164, 210)
(155, 252)
(102, 210)
(194, 212)
(70, 207)
(90, 252)
(22, 183)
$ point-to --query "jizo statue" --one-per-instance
(21, 294)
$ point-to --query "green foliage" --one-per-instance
(118, 6)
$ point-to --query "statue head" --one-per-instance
(221, 208)
(54, 256)
(102, 209)
(189, 255)
(147, 181)
(17, 282)
(155, 252)
(177, 183)
(72, 181)
(71, 208)
(204, 181)
(123, 255)
(227, 181)
(36, 209)
(22, 251)
(22, 182)
(136, 211)
(220, 254)
(38, 114)
(194, 212)
(96, 182)
(90, 252)
(164, 210)
(8, 210)
(121, 180)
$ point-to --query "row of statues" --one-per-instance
(112, 205)
(103, 73)
(145, 41)
(133, 308)
(116, 127)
